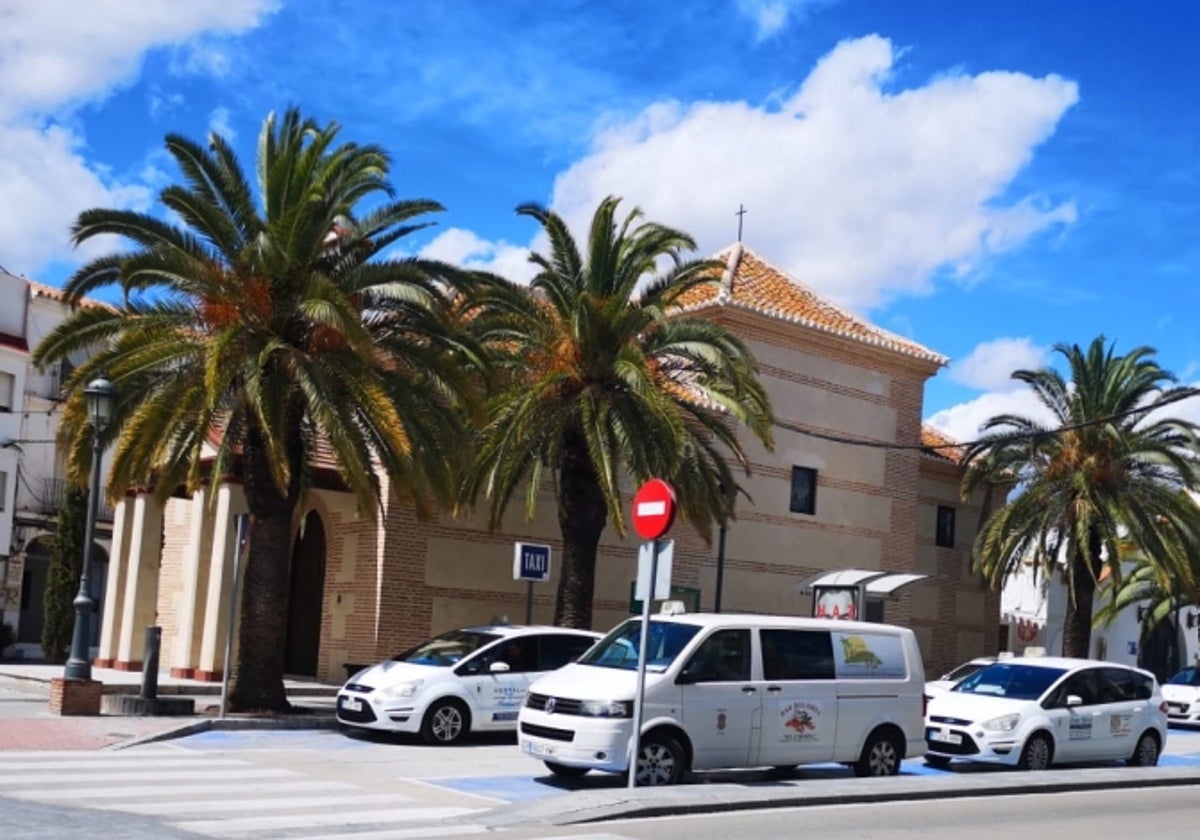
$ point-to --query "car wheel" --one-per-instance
(660, 761)
(880, 757)
(446, 722)
(1145, 754)
(565, 771)
(1037, 754)
(939, 761)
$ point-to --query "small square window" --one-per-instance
(804, 490)
(945, 527)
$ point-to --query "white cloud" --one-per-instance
(46, 183)
(463, 248)
(862, 193)
(770, 16)
(218, 123)
(963, 422)
(54, 56)
(989, 367)
(58, 52)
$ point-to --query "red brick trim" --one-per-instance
(75, 697)
(183, 673)
(103, 663)
(207, 676)
(127, 666)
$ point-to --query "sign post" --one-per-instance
(531, 562)
(653, 515)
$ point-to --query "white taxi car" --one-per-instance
(1182, 693)
(1034, 712)
(467, 680)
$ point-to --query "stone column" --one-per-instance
(194, 593)
(231, 501)
(114, 589)
(141, 583)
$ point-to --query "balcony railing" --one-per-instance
(54, 493)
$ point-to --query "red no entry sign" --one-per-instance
(653, 509)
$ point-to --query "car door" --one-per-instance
(1125, 698)
(800, 706)
(720, 704)
(497, 679)
(1077, 726)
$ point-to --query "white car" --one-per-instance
(952, 678)
(468, 680)
(1182, 693)
(1034, 712)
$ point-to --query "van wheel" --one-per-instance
(1037, 754)
(564, 770)
(660, 761)
(446, 722)
(1145, 754)
(939, 761)
(880, 757)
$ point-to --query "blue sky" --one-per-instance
(987, 178)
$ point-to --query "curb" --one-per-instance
(231, 724)
(590, 807)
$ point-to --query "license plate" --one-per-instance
(537, 749)
(352, 704)
(945, 737)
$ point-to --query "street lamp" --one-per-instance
(100, 396)
(726, 503)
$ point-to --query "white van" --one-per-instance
(730, 690)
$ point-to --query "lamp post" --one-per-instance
(100, 396)
(721, 548)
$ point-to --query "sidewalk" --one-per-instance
(27, 724)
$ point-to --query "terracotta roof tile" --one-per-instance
(40, 290)
(940, 445)
(749, 282)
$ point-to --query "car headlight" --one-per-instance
(404, 689)
(1004, 723)
(604, 708)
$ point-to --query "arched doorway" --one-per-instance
(33, 590)
(304, 599)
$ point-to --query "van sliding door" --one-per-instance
(800, 710)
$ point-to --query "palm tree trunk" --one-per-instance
(1077, 627)
(256, 682)
(582, 516)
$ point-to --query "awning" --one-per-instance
(875, 582)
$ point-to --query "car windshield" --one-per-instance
(1019, 682)
(446, 649)
(964, 671)
(1188, 676)
(619, 649)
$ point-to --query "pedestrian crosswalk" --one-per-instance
(223, 797)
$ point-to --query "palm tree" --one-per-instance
(602, 376)
(1109, 469)
(271, 326)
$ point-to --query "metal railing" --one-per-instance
(54, 494)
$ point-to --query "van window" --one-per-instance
(722, 657)
(797, 654)
(620, 648)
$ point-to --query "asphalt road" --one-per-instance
(1086, 815)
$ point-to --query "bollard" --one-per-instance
(150, 666)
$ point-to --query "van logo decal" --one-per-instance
(550, 704)
(800, 721)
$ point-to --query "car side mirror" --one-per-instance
(1074, 700)
(499, 667)
(685, 677)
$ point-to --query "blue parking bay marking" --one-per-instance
(504, 788)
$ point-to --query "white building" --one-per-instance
(32, 471)
(1034, 613)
